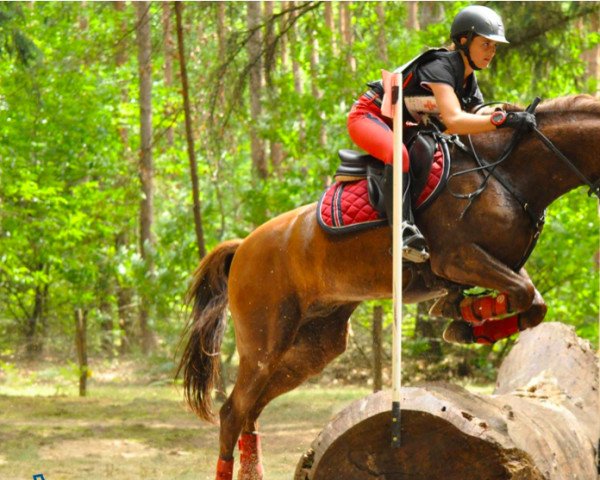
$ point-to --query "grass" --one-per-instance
(133, 424)
(130, 430)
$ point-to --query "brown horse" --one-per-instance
(291, 287)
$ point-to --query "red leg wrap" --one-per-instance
(224, 469)
(475, 309)
(491, 331)
(250, 457)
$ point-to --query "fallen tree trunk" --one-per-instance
(541, 422)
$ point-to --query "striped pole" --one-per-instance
(397, 261)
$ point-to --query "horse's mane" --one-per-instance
(581, 103)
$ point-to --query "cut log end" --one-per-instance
(541, 423)
(431, 448)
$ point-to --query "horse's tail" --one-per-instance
(208, 296)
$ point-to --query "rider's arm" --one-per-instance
(455, 119)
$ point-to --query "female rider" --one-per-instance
(440, 88)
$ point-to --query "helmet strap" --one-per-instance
(466, 50)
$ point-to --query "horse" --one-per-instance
(291, 287)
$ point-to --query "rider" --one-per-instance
(439, 87)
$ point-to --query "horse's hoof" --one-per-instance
(459, 332)
(446, 306)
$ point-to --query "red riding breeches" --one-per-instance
(372, 132)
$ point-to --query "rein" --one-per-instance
(536, 220)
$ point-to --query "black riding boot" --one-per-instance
(414, 246)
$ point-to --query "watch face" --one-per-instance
(498, 117)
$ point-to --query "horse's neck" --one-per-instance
(540, 176)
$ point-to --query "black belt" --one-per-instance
(373, 95)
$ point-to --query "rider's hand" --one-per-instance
(517, 120)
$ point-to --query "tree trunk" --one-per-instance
(377, 348)
(424, 328)
(105, 310)
(146, 166)
(81, 348)
(316, 91)
(347, 34)
(221, 45)
(189, 133)
(592, 56)
(296, 69)
(168, 65)
(540, 423)
(255, 83)
(34, 342)
(124, 293)
(412, 21)
(381, 40)
(330, 24)
(120, 59)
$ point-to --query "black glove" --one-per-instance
(517, 120)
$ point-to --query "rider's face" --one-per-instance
(482, 51)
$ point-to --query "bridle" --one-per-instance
(489, 169)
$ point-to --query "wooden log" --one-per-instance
(541, 423)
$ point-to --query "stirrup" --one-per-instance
(414, 247)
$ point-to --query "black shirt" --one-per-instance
(446, 67)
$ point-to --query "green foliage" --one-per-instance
(69, 188)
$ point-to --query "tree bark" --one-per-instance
(381, 40)
(105, 310)
(330, 24)
(293, 37)
(81, 348)
(146, 165)
(347, 34)
(255, 83)
(168, 65)
(424, 328)
(35, 342)
(189, 133)
(541, 423)
(377, 348)
(124, 293)
(592, 56)
(412, 21)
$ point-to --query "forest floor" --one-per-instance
(130, 429)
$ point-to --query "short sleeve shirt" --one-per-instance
(448, 68)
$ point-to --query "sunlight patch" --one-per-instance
(3, 460)
(89, 447)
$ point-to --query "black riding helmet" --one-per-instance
(476, 20)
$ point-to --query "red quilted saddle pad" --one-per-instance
(345, 207)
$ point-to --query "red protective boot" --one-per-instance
(476, 309)
(250, 457)
(491, 331)
(224, 469)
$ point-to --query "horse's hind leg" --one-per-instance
(316, 344)
(262, 339)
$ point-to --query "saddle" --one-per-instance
(355, 201)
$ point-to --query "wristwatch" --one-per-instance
(498, 118)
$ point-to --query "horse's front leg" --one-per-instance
(489, 331)
(472, 265)
(478, 316)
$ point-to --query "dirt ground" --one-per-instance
(130, 431)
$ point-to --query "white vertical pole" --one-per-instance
(397, 262)
(598, 361)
